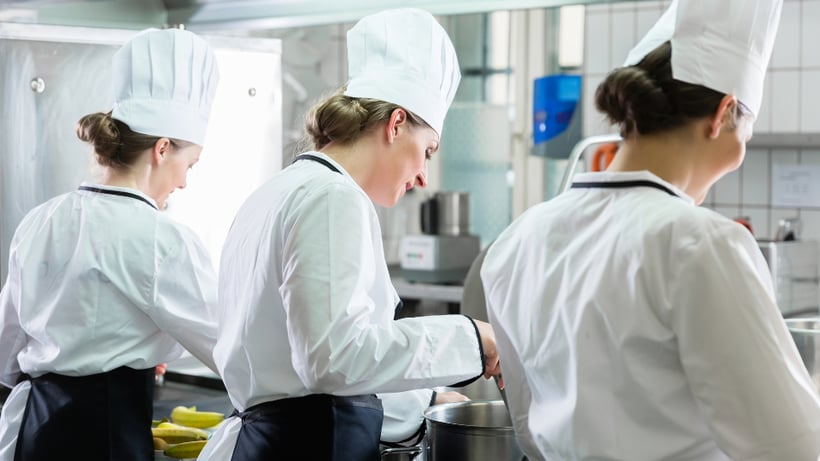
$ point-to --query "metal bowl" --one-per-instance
(806, 335)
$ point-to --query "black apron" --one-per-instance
(101, 417)
(313, 427)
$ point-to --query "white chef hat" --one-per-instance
(164, 84)
(403, 56)
(723, 45)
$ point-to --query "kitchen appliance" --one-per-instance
(444, 250)
(475, 430)
(794, 268)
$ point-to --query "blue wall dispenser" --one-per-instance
(556, 118)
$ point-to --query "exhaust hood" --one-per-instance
(239, 15)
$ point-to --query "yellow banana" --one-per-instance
(185, 450)
(155, 422)
(160, 444)
(190, 417)
(174, 433)
(202, 434)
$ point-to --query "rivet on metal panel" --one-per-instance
(38, 85)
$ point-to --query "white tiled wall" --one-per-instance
(791, 103)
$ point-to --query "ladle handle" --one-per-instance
(502, 391)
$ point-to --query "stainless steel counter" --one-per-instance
(431, 291)
(428, 285)
(174, 393)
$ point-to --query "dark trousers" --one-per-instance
(315, 427)
(102, 417)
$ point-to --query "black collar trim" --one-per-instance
(118, 192)
(623, 185)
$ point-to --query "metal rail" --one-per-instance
(576, 153)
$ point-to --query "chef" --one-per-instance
(102, 286)
(633, 324)
(307, 335)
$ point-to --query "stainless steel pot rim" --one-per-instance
(467, 403)
(431, 412)
(798, 325)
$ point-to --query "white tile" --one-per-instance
(811, 224)
(598, 8)
(763, 122)
(810, 101)
(709, 200)
(810, 157)
(785, 101)
(786, 51)
(727, 189)
(650, 5)
(755, 178)
(594, 122)
(621, 6)
(596, 43)
(622, 36)
(645, 18)
(810, 33)
(785, 157)
(759, 219)
(730, 212)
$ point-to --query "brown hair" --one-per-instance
(645, 99)
(343, 119)
(115, 144)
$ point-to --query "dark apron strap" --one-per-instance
(313, 427)
(316, 158)
(100, 417)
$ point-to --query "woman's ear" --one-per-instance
(723, 116)
(397, 120)
(160, 149)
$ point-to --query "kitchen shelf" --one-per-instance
(784, 141)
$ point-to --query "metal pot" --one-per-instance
(476, 430)
(806, 335)
(446, 213)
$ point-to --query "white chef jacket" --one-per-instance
(634, 325)
(99, 281)
(308, 304)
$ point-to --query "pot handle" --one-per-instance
(411, 451)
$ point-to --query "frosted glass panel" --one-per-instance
(476, 159)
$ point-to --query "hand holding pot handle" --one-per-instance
(449, 397)
(492, 364)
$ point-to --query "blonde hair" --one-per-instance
(115, 144)
(343, 119)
